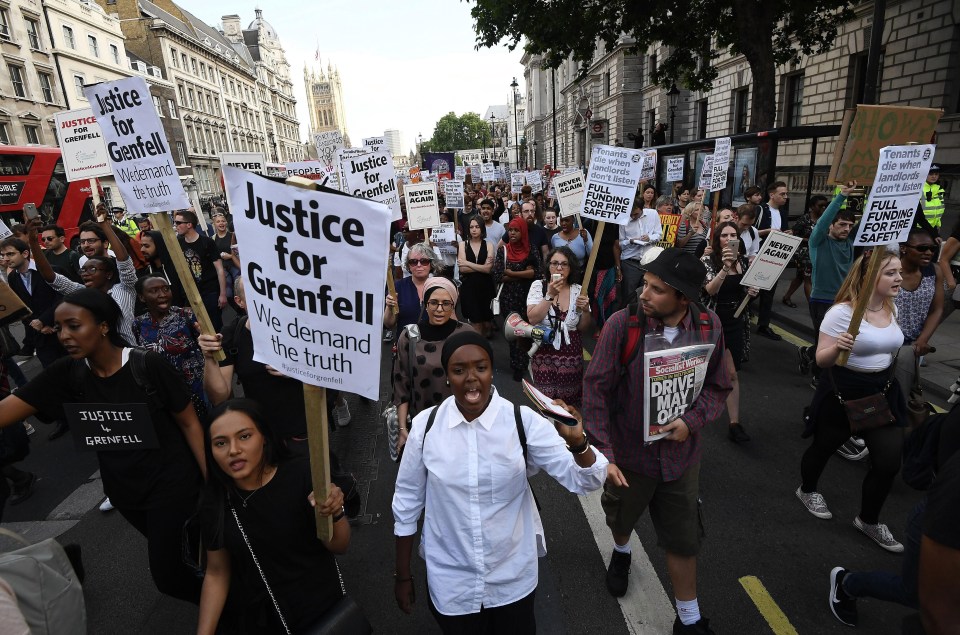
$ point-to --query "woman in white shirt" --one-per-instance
(555, 303)
(868, 371)
(482, 533)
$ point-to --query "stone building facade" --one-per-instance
(325, 101)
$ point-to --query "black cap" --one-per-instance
(681, 270)
(934, 168)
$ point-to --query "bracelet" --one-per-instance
(580, 449)
(343, 512)
(584, 450)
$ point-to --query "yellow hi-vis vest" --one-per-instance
(933, 203)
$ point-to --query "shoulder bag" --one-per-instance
(872, 411)
(918, 408)
(495, 303)
(344, 618)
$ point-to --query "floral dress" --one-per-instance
(557, 366)
(513, 297)
(175, 338)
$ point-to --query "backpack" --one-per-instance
(138, 366)
(636, 327)
(919, 453)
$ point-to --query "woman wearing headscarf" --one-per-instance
(482, 533)
(514, 268)
(159, 264)
(418, 386)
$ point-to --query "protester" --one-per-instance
(225, 239)
(648, 195)
(419, 386)
(939, 584)
(514, 268)
(160, 264)
(933, 199)
(116, 277)
(641, 232)
(491, 590)
(65, 261)
(554, 302)
(93, 240)
(663, 475)
(770, 218)
(421, 262)
(205, 264)
(919, 303)
(681, 196)
(725, 267)
(801, 259)
(536, 234)
(749, 236)
(156, 489)
(493, 230)
(172, 332)
(692, 231)
(267, 539)
(14, 447)
(412, 237)
(868, 371)
(604, 284)
(476, 282)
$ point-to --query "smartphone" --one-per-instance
(734, 244)
(556, 277)
(30, 211)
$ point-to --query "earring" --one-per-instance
(448, 382)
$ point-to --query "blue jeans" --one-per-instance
(886, 585)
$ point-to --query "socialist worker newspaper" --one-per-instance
(673, 380)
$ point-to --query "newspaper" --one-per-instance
(673, 379)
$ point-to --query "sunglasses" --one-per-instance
(181, 222)
(423, 262)
(48, 239)
(923, 248)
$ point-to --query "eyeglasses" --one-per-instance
(433, 305)
(181, 222)
(89, 241)
(559, 265)
(423, 262)
(48, 239)
(90, 269)
(923, 248)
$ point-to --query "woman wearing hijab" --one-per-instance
(514, 269)
(421, 386)
(159, 264)
(482, 533)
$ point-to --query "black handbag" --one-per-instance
(867, 413)
(344, 618)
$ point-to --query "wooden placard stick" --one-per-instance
(743, 305)
(593, 256)
(866, 288)
(94, 193)
(318, 428)
(161, 222)
(392, 286)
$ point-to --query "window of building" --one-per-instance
(209, 104)
(183, 61)
(16, 77)
(78, 85)
(190, 99)
(94, 47)
(172, 107)
(33, 134)
(193, 65)
(741, 109)
(857, 78)
(606, 84)
(33, 33)
(46, 87)
(182, 95)
(203, 70)
(115, 54)
(651, 121)
(4, 133)
(182, 153)
(5, 31)
(653, 69)
(157, 104)
(702, 119)
(68, 38)
(793, 99)
(174, 60)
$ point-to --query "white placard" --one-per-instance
(672, 381)
(706, 173)
(535, 181)
(612, 183)
(460, 172)
(897, 187)
(721, 161)
(254, 162)
(568, 188)
(423, 210)
(140, 157)
(675, 169)
(327, 144)
(4, 231)
(453, 193)
(517, 181)
(477, 173)
(770, 263)
(82, 146)
(314, 318)
(374, 144)
(313, 170)
(649, 171)
(486, 170)
(373, 177)
(444, 237)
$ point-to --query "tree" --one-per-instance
(767, 33)
(466, 132)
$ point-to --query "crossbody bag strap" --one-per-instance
(413, 336)
(260, 570)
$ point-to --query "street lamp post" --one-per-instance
(420, 149)
(493, 149)
(534, 144)
(674, 95)
(516, 126)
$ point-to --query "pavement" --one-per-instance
(763, 568)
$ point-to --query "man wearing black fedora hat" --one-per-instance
(662, 475)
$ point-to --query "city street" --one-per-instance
(759, 537)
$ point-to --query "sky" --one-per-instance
(403, 65)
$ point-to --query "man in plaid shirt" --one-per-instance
(662, 475)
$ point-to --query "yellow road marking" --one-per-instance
(768, 608)
(794, 339)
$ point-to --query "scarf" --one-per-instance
(518, 252)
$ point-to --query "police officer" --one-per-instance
(933, 198)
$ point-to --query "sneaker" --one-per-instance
(880, 535)
(853, 449)
(618, 574)
(341, 414)
(29, 428)
(700, 628)
(106, 505)
(843, 606)
(804, 360)
(814, 503)
(737, 434)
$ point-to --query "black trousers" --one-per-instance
(162, 526)
(516, 618)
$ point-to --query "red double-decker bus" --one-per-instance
(33, 174)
